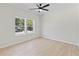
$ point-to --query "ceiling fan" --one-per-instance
(41, 7)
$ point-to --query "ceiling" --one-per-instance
(52, 7)
(26, 6)
(22, 6)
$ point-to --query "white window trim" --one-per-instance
(20, 33)
(25, 29)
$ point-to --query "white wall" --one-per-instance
(61, 23)
(7, 25)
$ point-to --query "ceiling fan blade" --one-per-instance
(37, 5)
(33, 8)
(45, 5)
(45, 9)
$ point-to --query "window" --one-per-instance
(29, 25)
(19, 25)
(23, 25)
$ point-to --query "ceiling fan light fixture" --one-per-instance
(40, 10)
(41, 7)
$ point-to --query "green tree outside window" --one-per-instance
(19, 25)
(29, 25)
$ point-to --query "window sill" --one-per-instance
(30, 31)
(20, 33)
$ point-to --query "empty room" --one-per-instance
(39, 29)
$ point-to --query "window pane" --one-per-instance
(19, 25)
(29, 25)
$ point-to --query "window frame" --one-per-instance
(23, 32)
(25, 27)
(32, 26)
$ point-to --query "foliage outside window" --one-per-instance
(29, 25)
(19, 25)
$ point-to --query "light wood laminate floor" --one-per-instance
(40, 47)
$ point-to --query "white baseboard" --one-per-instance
(44, 36)
(17, 42)
(58, 39)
